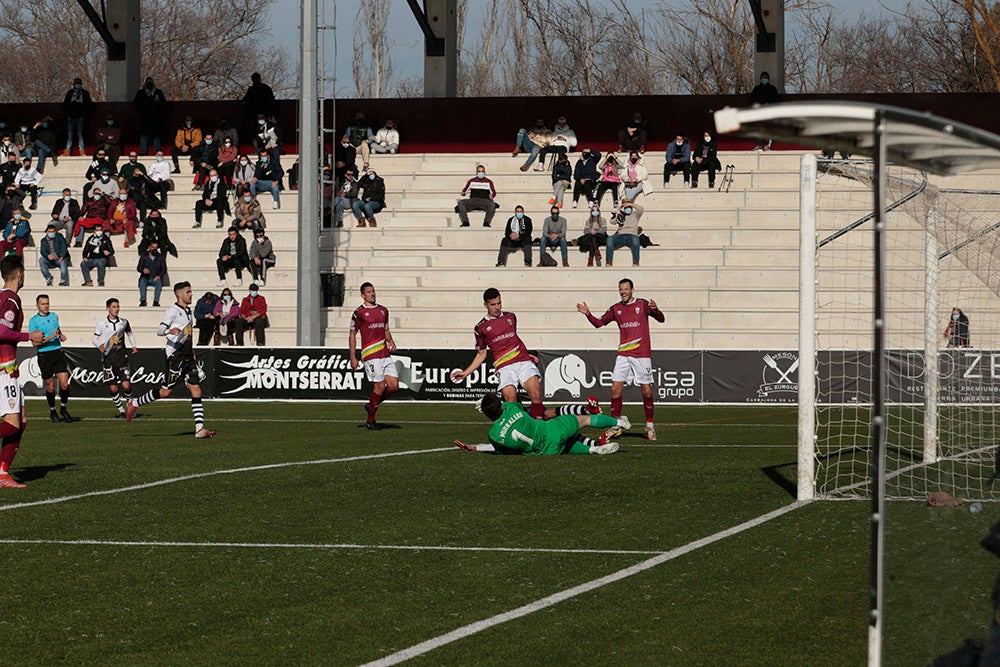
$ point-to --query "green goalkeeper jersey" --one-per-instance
(516, 432)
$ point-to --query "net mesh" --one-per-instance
(955, 451)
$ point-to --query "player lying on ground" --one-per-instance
(514, 431)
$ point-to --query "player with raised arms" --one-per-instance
(372, 321)
(109, 339)
(633, 363)
(176, 326)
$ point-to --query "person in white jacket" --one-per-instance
(563, 142)
(158, 178)
(635, 177)
(27, 181)
(386, 140)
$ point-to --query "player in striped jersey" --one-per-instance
(109, 339)
(633, 363)
(372, 322)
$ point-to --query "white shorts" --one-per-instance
(516, 374)
(634, 370)
(377, 369)
(11, 396)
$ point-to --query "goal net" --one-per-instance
(941, 252)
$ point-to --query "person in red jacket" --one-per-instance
(253, 315)
(122, 214)
(93, 213)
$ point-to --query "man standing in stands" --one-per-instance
(372, 321)
(634, 363)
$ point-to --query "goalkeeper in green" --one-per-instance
(514, 431)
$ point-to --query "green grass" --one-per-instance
(792, 591)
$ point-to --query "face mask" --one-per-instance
(260, 121)
(97, 195)
(555, 216)
(243, 162)
(214, 179)
(24, 129)
(208, 140)
(99, 233)
(680, 142)
(708, 138)
(51, 235)
(345, 144)
(122, 197)
(627, 210)
(480, 174)
(371, 177)
(247, 199)
(634, 160)
(228, 144)
(159, 158)
(187, 123)
(6, 143)
(105, 178)
(595, 214)
(585, 154)
(77, 86)
(519, 215)
(954, 317)
(45, 125)
(110, 123)
(66, 197)
(227, 297)
(263, 160)
(253, 293)
(765, 81)
(17, 216)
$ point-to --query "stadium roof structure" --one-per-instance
(916, 139)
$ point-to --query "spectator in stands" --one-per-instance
(227, 131)
(105, 184)
(53, 251)
(247, 213)
(595, 235)
(268, 138)
(626, 224)
(65, 213)
(705, 158)
(258, 100)
(633, 136)
(253, 315)
(141, 193)
(23, 141)
(345, 157)
(213, 198)
(9, 202)
(152, 268)
(226, 312)
(97, 252)
(76, 107)
(609, 179)
(228, 153)
(93, 214)
(206, 163)
(232, 255)
(678, 159)
(327, 187)
(128, 168)
(45, 141)
(370, 200)
(347, 194)
(635, 177)
(957, 331)
(267, 176)
(563, 140)
(158, 179)
(150, 106)
(261, 256)
(187, 143)
(7, 147)
(123, 215)
(26, 180)
(532, 141)
(204, 318)
(830, 153)
(763, 93)
(359, 135)
(516, 236)
(553, 234)
(154, 228)
(16, 233)
(109, 138)
(9, 169)
(97, 164)
(386, 140)
(243, 174)
(481, 193)
(562, 179)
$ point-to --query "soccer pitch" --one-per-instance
(298, 537)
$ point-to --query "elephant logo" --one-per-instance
(569, 373)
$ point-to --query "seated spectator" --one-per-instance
(633, 136)
(128, 168)
(268, 139)
(109, 139)
(705, 158)
(371, 198)
(7, 147)
(53, 251)
(45, 141)
(609, 179)
(678, 159)
(105, 185)
(635, 177)
(141, 192)
(516, 236)
(122, 217)
(226, 313)
(206, 162)
(187, 144)
(204, 319)
(626, 225)
(8, 203)
(152, 268)
(97, 164)
(563, 140)
(27, 181)
(247, 213)
(562, 178)
(23, 141)
(532, 141)
(9, 169)
(65, 213)
(553, 234)
(481, 193)
(595, 235)
(228, 152)
(253, 315)
(358, 135)
(386, 140)
(242, 174)
(347, 194)
(226, 131)
(159, 181)
(213, 198)
(97, 252)
(16, 233)
(93, 214)
(232, 255)
(267, 176)
(261, 256)
(154, 228)
(344, 157)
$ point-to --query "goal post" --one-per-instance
(806, 481)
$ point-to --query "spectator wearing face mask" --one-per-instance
(207, 161)
(562, 179)
(371, 198)
(140, 191)
(516, 236)
(635, 177)
(267, 176)
(242, 173)
(268, 138)
(253, 316)
(26, 180)
(154, 228)
(227, 131)
(204, 318)
(386, 140)
(53, 251)
(45, 142)
(93, 215)
(678, 159)
(563, 140)
(705, 158)
(226, 313)
(152, 268)
(595, 236)
(247, 213)
(97, 253)
(158, 179)
(633, 136)
(9, 169)
(609, 179)
(359, 135)
(187, 144)
(150, 106)
(626, 225)
(76, 108)
(261, 256)
(228, 152)
(65, 213)
(344, 157)
(763, 93)
(480, 193)
(213, 198)
(531, 141)
(15, 233)
(122, 217)
(109, 138)
(553, 234)
(105, 184)
(347, 194)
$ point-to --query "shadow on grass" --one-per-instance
(784, 476)
(380, 426)
(33, 473)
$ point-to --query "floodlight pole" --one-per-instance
(878, 426)
(307, 306)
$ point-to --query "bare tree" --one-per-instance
(371, 65)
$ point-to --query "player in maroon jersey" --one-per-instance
(372, 321)
(497, 332)
(11, 398)
(633, 363)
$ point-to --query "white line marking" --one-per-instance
(556, 598)
(229, 471)
(279, 545)
(237, 420)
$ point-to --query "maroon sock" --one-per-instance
(616, 407)
(537, 410)
(8, 450)
(386, 393)
(647, 405)
(373, 402)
